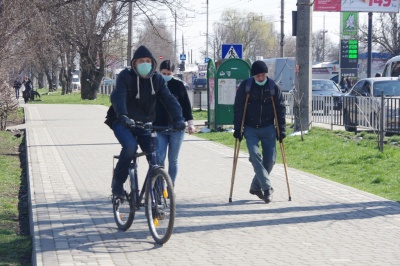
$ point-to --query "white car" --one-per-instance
(362, 105)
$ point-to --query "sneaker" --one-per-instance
(268, 195)
(258, 193)
(118, 190)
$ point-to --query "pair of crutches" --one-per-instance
(237, 148)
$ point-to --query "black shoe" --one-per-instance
(268, 195)
(258, 193)
(118, 190)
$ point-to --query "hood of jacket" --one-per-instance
(142, 52)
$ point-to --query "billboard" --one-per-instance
(383, 6)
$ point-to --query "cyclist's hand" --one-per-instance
(179, 124)
(126, 121)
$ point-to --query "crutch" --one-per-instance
(282, 147)
(237, 149)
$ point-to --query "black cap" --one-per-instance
(258, 67)
(166, 64)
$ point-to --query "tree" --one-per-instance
(252, 31)
(156, 36)
(385, 33)
(323, 48)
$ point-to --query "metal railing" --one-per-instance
(364, 113)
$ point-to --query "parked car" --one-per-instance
(321, 88)
(107, 81)
(200, 84)
(76, 83)
(362, 106)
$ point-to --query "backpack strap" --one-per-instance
(271, 86)
(248, 84)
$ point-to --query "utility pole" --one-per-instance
(369, 51)
(282, 26)
(323, 41)
(207, 33)
(129, 45)
(174, 59)
(303, 96)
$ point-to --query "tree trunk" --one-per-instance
(91, 71)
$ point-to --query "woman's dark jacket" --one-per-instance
(178, 90)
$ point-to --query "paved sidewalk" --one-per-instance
(70, 163)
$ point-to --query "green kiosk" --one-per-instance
(221, 90)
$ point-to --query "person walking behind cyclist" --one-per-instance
(259, 125)
(17, 86)
(26, 94)
(134, 99)
(172, 141)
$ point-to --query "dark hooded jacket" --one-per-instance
(136, 96)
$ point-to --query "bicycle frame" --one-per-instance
(133, 175)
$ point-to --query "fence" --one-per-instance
(380, 114)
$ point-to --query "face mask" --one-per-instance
(167, 78)
(144, 69)
(262, 83)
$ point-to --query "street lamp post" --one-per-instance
(129, 45)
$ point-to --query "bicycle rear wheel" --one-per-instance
(161, 213)
(124, 209)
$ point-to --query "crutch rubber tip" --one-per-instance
(290, 198)
(230, 200)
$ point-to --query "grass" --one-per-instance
(340, 156)
(72, 98)
(15, 242)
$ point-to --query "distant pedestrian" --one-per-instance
(343, 84)
(17, 87)
(349, 83)
(172, 141)
(26, 94)
(259, 125)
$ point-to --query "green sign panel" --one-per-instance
(349, 23)
(228, 77)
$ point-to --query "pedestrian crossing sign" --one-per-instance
(232, 51)
(182, 57)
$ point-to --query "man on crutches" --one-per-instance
(254, 120)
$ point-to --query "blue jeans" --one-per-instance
(262, 165)
(129, 139)
(173, 142)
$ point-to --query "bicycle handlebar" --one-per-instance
(150, 127)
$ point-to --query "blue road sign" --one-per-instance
(206, 59)
(182, 57)
(233, 50)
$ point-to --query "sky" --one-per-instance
(196, 22)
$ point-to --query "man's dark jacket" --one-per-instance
(260, 111)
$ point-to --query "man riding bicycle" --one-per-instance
(134, 99)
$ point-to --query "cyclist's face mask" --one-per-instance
(144, 66)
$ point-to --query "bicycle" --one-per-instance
(156, 196)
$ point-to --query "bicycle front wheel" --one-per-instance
(160, 212)
(124, 209)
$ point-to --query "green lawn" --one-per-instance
(15, 242)
(343, 157)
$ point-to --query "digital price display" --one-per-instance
(348, 53)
